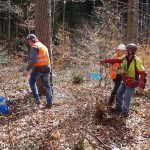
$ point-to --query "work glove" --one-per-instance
(103, 63)
(140, 91)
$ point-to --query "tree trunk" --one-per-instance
(132, 23)
(43, 28)
(9, 20)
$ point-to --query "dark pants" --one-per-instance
(117, 83)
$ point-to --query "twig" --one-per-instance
(106, 146)
(135, 8)
(78, 60)
(101, 71)
(93, 144)
(8, 131)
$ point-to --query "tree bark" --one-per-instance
(132, 22)
(43, 28)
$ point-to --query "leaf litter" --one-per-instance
(79, 118)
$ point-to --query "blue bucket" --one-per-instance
(3, 107)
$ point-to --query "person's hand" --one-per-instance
(140, 91)
(25, 73)
(102, 61)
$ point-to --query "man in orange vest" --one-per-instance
(115, 73)
(39, 62)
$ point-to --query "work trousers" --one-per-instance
(117, 81)
(44, 75)
(124, 95)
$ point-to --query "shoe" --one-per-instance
(48, 106)
(116, 109)
(109, 103)
(37, 102)
(123, 115)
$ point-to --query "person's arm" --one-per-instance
(141, 72)
(33, 54)
(112, 61)
(141, 80)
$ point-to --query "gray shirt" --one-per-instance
(33, 54)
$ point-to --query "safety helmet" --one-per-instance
(122, 47)
(31, 37)
(132, 48)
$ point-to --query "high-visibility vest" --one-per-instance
(43, 55)
(130, 74)
(131, 71)
(114, 68)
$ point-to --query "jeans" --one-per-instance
(45, 79)
(117, 83)
(124, 95)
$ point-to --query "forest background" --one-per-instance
(78, 34)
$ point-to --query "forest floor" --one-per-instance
(79, 118)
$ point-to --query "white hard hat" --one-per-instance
(122, 47)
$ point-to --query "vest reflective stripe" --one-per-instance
(43, 55)
(114, 68)
(42, 60)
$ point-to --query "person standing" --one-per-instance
(39, 63)
(133, 75)
(115, 73)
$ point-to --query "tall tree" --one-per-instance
(43, 21)
(132, 22)
(43, 27)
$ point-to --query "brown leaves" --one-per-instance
(74, 108)
(100, 110)
(55, 135)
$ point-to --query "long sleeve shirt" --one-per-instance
(128, 79)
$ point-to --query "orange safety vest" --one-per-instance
(114, 68)
(43, 55)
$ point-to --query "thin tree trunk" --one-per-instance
(43, 28)
(9, 20)
(132, 23)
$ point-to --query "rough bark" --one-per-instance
(132, 24)
(43, 27)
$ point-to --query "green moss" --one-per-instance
(77, 79)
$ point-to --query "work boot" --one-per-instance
(109, 103)
(123, 115)
(116, 109)
(48, 106)
(37, 102)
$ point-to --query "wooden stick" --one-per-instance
(106, 146)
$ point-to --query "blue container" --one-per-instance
(3, 107)
(93, 76)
